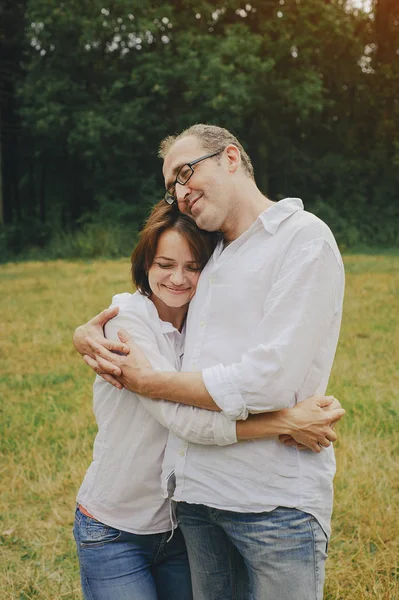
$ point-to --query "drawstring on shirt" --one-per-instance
(173, 519)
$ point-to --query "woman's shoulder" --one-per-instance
(128, 300)
(135, 305)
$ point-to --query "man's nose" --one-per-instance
(182, 193)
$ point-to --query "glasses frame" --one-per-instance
(169, 197)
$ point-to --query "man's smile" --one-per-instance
(191, 203)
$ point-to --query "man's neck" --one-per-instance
(245, 215)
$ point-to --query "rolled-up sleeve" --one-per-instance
(298, 311)
(192, 424)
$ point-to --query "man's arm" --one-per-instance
(306, 425)
(298, 312)
(301, 312)
(103, 355)
(209, 427)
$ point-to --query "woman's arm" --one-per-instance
(309, 422)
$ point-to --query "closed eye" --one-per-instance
(184, 173)
(194, 269)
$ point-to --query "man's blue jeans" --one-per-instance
(284, 552)
(116, 565)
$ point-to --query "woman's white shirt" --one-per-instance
(122, 486)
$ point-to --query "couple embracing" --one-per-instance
(214, 418)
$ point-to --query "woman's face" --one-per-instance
(173, 276)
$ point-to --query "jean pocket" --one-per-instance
(320, 536)
(94, 533)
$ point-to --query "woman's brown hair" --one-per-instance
(164, 217)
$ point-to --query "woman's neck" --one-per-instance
(170, 314)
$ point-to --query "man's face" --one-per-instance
(205, 197)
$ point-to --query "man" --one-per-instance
(261, 336)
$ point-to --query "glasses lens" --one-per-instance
(184, 174)
(169, 196)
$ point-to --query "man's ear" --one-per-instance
(233, 155)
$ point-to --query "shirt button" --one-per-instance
(202, 323)
(181, 452)
(212, 279)
(193, 365)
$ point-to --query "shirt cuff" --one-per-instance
(224, 393)
(224, 430)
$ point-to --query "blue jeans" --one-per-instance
(284, 552)
(116, 565)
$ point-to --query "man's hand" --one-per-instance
(311, 423)
(94, 329)
(121, 370)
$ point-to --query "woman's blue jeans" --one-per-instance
(116, 565)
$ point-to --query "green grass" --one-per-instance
(47, 427)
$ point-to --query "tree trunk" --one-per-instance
(42, 194)
(1, 177)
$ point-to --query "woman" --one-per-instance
(123, 526)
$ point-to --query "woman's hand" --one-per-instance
(312, 422)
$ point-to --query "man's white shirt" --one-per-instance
(263, 329)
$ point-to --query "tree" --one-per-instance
(310, 89)
(11, 48)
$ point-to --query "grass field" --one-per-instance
(47, 427)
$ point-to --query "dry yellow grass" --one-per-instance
(47, 427)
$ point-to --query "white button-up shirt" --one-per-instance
(263, 329)
(122, 486)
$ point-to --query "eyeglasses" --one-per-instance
(183, 175)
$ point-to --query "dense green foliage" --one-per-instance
(311, 88)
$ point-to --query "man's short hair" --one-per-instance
(162, 218)
(213, 138)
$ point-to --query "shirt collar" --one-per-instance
(272, 217)
(166, 327)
